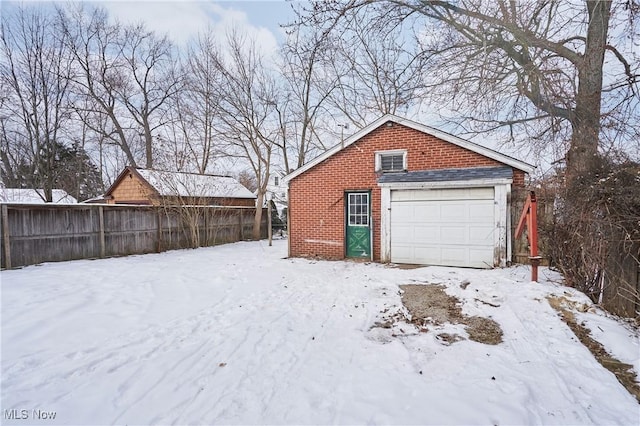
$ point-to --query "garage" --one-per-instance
(403, 192)
(449, 227)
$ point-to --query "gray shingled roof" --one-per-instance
(444, 175)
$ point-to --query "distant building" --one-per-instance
(154, 187)
(277, 191)
(34, 196)
(277, 188)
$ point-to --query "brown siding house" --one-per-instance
(153, 187)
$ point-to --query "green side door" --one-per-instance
(358, 224)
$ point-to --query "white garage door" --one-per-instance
(450, 227)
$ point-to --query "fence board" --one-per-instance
(621, 276)
(48, 233)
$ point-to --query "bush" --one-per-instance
(595, 239)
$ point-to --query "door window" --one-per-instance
(358, 209)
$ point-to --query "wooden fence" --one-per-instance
(621, 279)
(37, 233)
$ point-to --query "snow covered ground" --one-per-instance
(237, 334)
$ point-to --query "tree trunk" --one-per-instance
(585, 122)
(257, 219)
(48, 191)
(122, 138)
(148, 144)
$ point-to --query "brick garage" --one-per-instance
(397, 168)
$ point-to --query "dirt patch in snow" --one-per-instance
(429, 304)
(623, 372)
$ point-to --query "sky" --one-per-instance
(184, 19)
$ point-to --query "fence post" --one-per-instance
(5, 232)
(241, 223)
(269, 230)
(102, 242)
(159, 221)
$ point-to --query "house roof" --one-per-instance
(34, 196)
(188, 184)
(446, 175)
(463, 143)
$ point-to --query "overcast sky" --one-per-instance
(182, 19)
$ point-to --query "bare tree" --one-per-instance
(246, 99)
(95, 45)
(186, 197)
(248, 179)
(379, 70)
(151, 81)
(35, 70)
(506, 63)
(194, 111)
(127, 74)
(308, 81)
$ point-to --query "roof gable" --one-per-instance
(179, 184)
(123, 174)
(471, 146)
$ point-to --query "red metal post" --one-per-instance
(534, 258)
(529, 217)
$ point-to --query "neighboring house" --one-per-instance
(34, 196)
(153, 187)
(399, 191)
(277, 191)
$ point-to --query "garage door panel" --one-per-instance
(453, 234)
(427, 253)
(404, 213)
(404, 254)
(453, 211)
(421, 211)
(452, 255)
(425, 233)
(479, 235)
(451, 227)
(404, 234)
(443, 194)
(482, 210)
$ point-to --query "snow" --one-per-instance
(34, 196)
(621, 342)
(238, 334)
(194, 185)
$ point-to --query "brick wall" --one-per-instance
(518, 178)
(317, 205)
